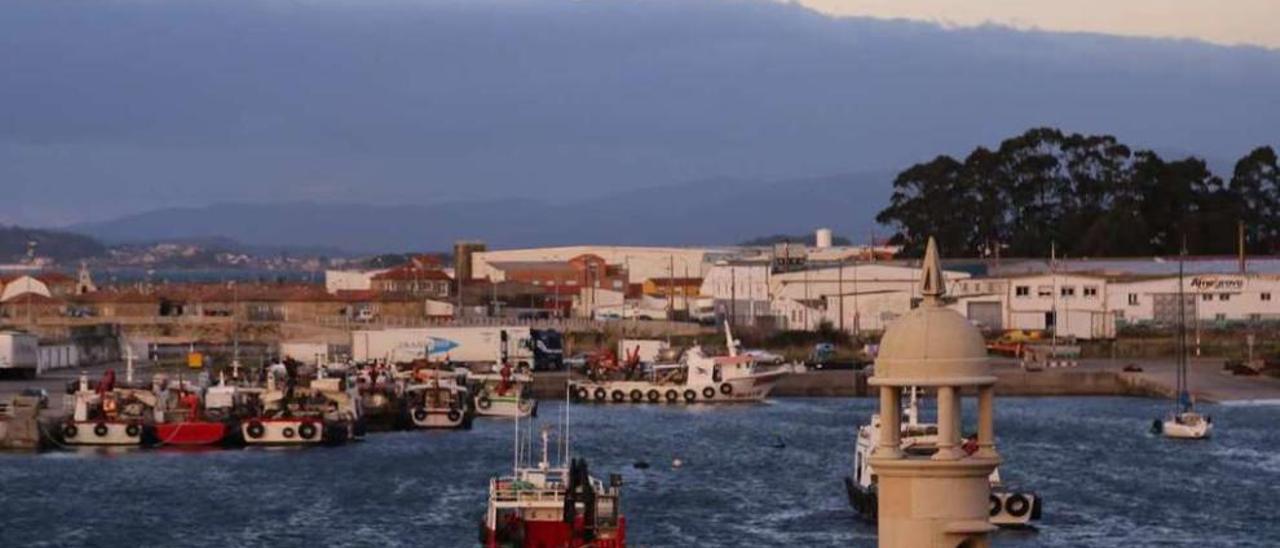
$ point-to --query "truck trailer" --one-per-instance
(540, 349)
(19, 354)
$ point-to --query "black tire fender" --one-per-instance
(307, 431)
(672, 396)
(600, 394)
(454, 415)
(133, 430)
(690, 395)
(100, 430)
(419, 414)
(1017, 505)
(636, 395)
(288, 432)
(618, 396)
(69, 431)
(483, 402)
(995, 505)
(708, 392)
(256, 430)
(654, 396)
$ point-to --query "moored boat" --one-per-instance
(695, 378)
(438, 399)
(1009, 507)
(106, 414)
(504, 394)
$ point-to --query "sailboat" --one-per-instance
(1183, 422)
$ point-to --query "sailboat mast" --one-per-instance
(1182, 327)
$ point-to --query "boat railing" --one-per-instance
(508, 490)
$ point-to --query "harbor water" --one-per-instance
(751, 475)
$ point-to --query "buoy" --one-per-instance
(677, 463)
(640, 465)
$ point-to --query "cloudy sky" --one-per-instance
(119, 106)
(1230, 22)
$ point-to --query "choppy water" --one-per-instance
(1106, 481)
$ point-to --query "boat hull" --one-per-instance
(539, 534)
(754, 388)
(504, 406)
(283, 432)
(102, 433)
(190, 433)
(431, 418)
(1175, 430)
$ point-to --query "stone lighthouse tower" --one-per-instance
(938, 497)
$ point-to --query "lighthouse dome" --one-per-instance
(932, 345)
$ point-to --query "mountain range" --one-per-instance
(708, 212)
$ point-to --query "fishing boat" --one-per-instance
(437, 398)
(180, 420)
(504, 394)
(1010, 508)
(106, 414)
(540, 505)
(1183, 422)
(695, 378)
(321, 411)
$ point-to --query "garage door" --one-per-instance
(986, 315)
(1165, 308)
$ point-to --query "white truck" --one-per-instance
(536, 348)
(19, 354)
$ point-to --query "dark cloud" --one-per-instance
(111, 107)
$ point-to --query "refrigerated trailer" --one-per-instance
(19, 354)
(540, 349)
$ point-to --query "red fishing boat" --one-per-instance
(180, 422)
(543, 506)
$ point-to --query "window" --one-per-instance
(1220, 317)
(1025, 291)
(1091, 291)
(1044, 291)
(1206, 297)
(1068, 291)
(1266, 296)
(1224, 296)
(1133, 299)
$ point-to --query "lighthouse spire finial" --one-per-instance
(932, 284)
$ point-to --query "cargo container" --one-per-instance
(540, 349)
(19, 354)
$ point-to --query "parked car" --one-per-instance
(764, 356)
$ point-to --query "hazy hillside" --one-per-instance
(60, 246)
(705, 212)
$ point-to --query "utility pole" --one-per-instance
(1240, 245)
(840, 294)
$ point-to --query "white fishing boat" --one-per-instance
(1009, 507)
(438, 399)
(694, 378)
(1183, 422)
(107, 414)
(323, 411)
(503, 394)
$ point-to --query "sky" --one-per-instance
(122, 106)
(1229, 22)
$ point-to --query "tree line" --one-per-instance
(1091, 195)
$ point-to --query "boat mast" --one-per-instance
(1182, 400)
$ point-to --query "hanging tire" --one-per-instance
(600, 394)
(454, 415)
(1017, 505)
(690, 395)
(672, 396)
(618, 396)
(419, 414)
(69, 431)
(708, 392)
(726, 389)
(288, 433)
(307, 431)
(994, 504)
(637, 396)
(583, 394)
(133, 430)
(256, 430)
(100, 430)
(654, 396)
(483, 402)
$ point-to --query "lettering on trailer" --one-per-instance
(432, 345)
(1216, 283)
